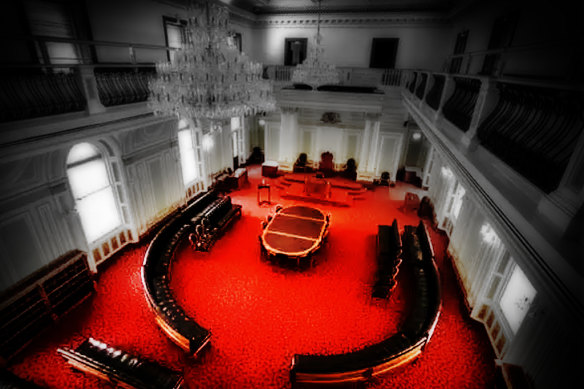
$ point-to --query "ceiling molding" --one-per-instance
(361, 19)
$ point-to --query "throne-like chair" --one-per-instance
(326, 165)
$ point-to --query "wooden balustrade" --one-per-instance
(459, 108)
(534, 130)
(347, 75)
(412, 84)
(27, 96)
(391, 77)
(422, 85)
(116, 88)
(435, 93)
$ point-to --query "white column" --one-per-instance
(369, 148)
(447, 91)
(374, 148)
(486, 102)
(562, 205)
(365, 144)
(428, 166)
(88, 86)
(288, 138)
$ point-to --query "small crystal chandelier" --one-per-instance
(209, 78)
(314, 71)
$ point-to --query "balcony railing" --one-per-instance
(435, 93)
(116, 88)
(23, 97)
(348, 76)
(531, 126)
(460, 106)
(57, 85)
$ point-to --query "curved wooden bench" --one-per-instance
(397, 350)
(170, 316)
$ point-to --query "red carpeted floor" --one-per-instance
(260, 314)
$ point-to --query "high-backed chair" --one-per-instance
(384, 179)
(301, 164)
(326, 165)
(350, 170)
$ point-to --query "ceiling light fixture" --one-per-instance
(209, 78)
(314, 71)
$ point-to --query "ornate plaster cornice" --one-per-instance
(351, 20)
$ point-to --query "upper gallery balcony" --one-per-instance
(519, 143)
(68, 86)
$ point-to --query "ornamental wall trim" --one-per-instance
(348, 20)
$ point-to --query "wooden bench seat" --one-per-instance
(401, 348)
(119, 367)
(209, 214)
(388, 245)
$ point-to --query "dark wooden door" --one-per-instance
(383, 53)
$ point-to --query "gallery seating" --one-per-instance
(409, 341)
(205, 218)
(120, 368)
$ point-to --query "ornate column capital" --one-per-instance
(289, 110)
(372, 116)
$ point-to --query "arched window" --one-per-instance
(92, 189)
(190, 153)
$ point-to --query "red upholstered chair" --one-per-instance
(326, 165)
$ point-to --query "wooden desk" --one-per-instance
(270, 169)
(239, 178)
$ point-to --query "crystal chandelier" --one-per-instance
(209, 78)
(314, 71)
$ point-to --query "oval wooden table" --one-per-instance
(295, 232)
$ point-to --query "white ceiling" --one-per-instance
(303, 6)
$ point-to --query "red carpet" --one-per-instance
(260, 314)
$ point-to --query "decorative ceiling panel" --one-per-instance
(266, 7)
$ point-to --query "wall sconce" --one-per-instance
(416, 136)
(446, 172)
(488, 234)
(262, 122)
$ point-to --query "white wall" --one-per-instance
(141, 21)
(548, 343)
(39, 222)
(419, 46)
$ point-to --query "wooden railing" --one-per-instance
(435, 93)
(28, 96)
(54, 86)
(348, 76)
(116, 88)
(420, 90)
(531, 126)
(534, 130)
(460, 107)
